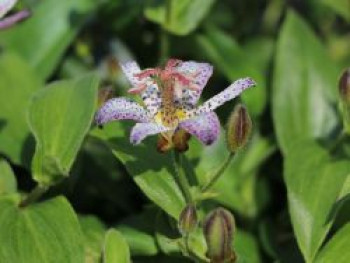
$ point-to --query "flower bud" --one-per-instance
(344, 86)
(188, 219)
(219, 227)
(344, 92)
(239, 127)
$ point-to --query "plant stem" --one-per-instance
(34, 195)
(181, 179)
(218, 172)
(164, 36)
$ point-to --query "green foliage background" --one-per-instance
(107, 201)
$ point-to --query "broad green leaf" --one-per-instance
(17, 86)
(314, 184)
(179, 17)
(43, 38)
(304, 88)
(47, 232)
(234, 62)
(342, 7)
(153, 172)
(8, 184)
(337, 249)
(94, 232)
(60, 116)
(116, 250)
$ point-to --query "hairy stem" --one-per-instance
(181, 179)
(218, 172)
(34, 195)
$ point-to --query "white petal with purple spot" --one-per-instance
(205, 127)
(141, 130)
(229, 93)
(121, 109)
(201, 72)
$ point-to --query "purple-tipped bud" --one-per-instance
(188, 219)
(219, 228)
(344, 86)
(239, 128)
(344, 92)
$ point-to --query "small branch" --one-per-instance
(34, 195)
(218, 172)
(181, 179)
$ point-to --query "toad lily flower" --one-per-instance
(5, 7)
(170, 96)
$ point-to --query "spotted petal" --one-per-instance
(201, 72)
(121, 109)
(205, 127)
(141, 130)
(5, 6)
(229, 93)
(148, 89)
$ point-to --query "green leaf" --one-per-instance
(342, 7)
(48, 232)
(60, 116)
(304, 88)
(152, 171)
(43, 38)
(179, 17)
(94, 232)
(314, 184)
(17, 86)
(234, 62)
(337, 249)
(116, 250)
(8, 183)
(246, 248)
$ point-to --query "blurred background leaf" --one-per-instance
(180, 17)
(18, 84)
(44, 37)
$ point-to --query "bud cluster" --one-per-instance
(344, 92)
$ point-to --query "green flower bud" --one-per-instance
(344, 92)
(239, 128)
(219, 228)
(188, 219)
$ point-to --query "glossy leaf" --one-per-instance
(8, 183)
(246, 248)
(17, 85)
(116, 250)
(180, 17)
(48, 232)
(342, 7)
(314, 185)
(43, 38)
(94, 232)
(60, 116)
(304, 88)
(337, 249)
(153, 172)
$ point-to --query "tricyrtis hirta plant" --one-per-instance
(170, 108)
(170, 98)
